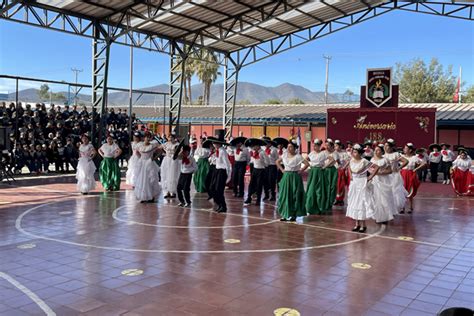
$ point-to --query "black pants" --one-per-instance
(208, 180)
(219, 179)
(184, 187)
(445, 166)
(238, 177)
(271, 181)
(256, 184)
(434, 171)
(422, 173)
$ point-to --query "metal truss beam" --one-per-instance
(121, 31)
(100, 74)
(177, 69)
(260, 51)
(231, 76)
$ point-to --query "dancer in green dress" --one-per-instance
(109, 171)
(316, 191)
(330, 174)
(291, 189)
(199, 178)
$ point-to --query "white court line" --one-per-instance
(35, 298)
(115, 216)
(20, 228)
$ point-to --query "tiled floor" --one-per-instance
(65, 253)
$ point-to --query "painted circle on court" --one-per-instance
(132, 272)
(232, 241)
(406, 238)
(286, 311)
(360, 265)
(26, 246)
(18, 226)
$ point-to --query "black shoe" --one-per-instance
(187, 204)
(410, 211)
(222, 210)
(356, 228)
(283, 220)
(172, 196)
(248, 202)
(402, 211)
(362, 229)
(293, 219)
(181, 204)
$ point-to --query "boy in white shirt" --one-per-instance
(188, 166)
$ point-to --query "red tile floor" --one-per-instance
(67, 254)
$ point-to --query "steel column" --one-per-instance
(177, 68)
(100, 73)
(231, 74)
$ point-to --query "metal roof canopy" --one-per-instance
(237, 32)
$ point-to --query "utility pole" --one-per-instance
(328, 58)
(76, 71)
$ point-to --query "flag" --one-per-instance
(298, 140)
(456, 93)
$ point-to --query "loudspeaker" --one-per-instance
(5, 138)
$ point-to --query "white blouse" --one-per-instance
(243, 155)
(462, 164)
(317, 159)
(292, 163)
(413, 161)
(202, 152)
(222, 162)
(435, 157)
(382, 163)
(135, 147)
(170, 148)
(359, 168)
(109, 150)
(393, 159)
(343, 158)
(261, 162)
(448, 155)
(85, 151)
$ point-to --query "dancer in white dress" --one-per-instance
(132, 166)
(360, 198)
(170, 168)
(147, 183)
(385, 206)
(86, 167)
(397, 162)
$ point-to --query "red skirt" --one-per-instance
(410, 181)
(342, 182)
(462, 182)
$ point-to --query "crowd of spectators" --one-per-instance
(42, 136)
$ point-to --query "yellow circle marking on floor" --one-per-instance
(65, 213)
(232, 241)
(26, 246)
(286, 311)
(132, 272)
(360, 265)
(431, 220)
(406, 238)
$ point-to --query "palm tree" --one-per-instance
(207, 72)
(189, 72)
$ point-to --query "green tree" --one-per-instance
(421, 83)
(295, 101)
(469, 96)
(273, 101)
(45, 94)
(347, 96)
(189, 72)
(207, 71)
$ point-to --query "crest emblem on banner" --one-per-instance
(379, 86)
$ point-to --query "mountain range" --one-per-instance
(248, 93)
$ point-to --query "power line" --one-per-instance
(76, 71)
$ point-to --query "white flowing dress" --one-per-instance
(360, 198)
(85, 169)
(147, 182)
(170, 169)
(385, 206)
(133, 164)
(399, 192)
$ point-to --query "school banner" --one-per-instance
(379, 124)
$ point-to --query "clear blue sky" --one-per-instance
(383, 41)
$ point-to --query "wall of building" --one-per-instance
(454, 136)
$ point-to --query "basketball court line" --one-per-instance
(35, 298)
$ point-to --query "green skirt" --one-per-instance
(109, 174)
(316, 192)
(201, 174)
(291, 196)
(330, 182)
